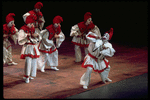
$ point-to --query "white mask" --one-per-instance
(37, 10)
(88, 21)
(56, 25)
(10, 24)
(105, 37)
(30, 25)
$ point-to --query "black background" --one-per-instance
(128, 18)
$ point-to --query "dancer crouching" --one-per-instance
(95, 59)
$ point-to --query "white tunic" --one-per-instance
(97, 59)
(47, 45)
(48, 49)
(7, 50)
(29, 48)
(38, 26)
(81, 40)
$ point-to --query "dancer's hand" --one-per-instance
(56, 36)
(35, 35)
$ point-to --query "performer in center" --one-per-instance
(29, 39)
(52, 38)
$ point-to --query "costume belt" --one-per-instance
(92, 56)
(30, 43)
(95, 57)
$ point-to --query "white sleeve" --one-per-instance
(22, 37)
(46, 42)
(109, 51)
(97, 31)
(91, 36)
(74, 30)
(41, 24)
(60, 39)
(25, 16)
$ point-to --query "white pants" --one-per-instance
(85, 79)
(50, 59)
(78, 54)
(30, 66)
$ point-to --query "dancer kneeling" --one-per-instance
(95, 59)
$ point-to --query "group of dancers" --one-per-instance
(39, 46)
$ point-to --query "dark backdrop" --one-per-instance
(129, 19)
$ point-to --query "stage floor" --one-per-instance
(126, 63)
(131, 88)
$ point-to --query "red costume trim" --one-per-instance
(82, 27)
(91, 36)
(8, 46)
(52, 31)
(87, 15)
(90, 26)
(9, 17)
(30, 43)
(89, 65)
(30, 55)
(38, 15)
(38, 5)
(27, 29)
(7, 30)
(26, 76)
(92, 56)
(57, 19)
(51, 51)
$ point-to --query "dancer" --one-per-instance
(95, 59)
(47, 47)
(9, 30)
(79, 31)
(28, 38)
(39, 22)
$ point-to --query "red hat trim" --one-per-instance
(110, 32)
(87, 15)
(57, 19)
(30, 19)
(9, 17)
(38, 5)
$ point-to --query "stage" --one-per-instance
(127, 62)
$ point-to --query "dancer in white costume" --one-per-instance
(47, 47)
(39, 22)
(28, 38)
(95, 59)
(9, 30)
(79, 31)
